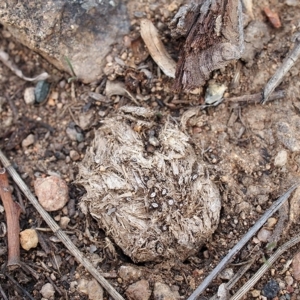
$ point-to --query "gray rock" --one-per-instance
(82, 31)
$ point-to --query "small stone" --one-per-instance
(226, 274)
(82, 286)
(29, 96)
(281, 158)
(52, 192)
(28, 239)
(29, 140)
(139, 291)
(41, 91)
(129, 273)
(296, 266)
(64, 222)
(178, 278)
(53, 277)
(47, 291)
(153, 141)
(255, 293)
(271, 289)
(289, 280)
(163, 292)
(214, 93)
(74, 155)
(271, 222)
(86, 119)
(74, 134)
(264, 234)
(222, 292)
(94, 290)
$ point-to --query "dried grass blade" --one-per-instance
(250, 283)
(275, 206)
(57, 230)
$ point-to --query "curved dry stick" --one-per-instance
(57, 230)
(12, 212)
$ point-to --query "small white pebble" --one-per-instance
(29, 96)
(271, 222)
(263, 235)
(255, 293)
(289, 280)
(281, 158)
(64, 222)
(47, 291)
(29, 140)
(28, 239)
(171, 201)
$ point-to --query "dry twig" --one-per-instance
(2, 293)
(255, 98)
(230, 284)
(57, 230)
(246, 287)
(12, 212)
(275, 206)
(288, 62)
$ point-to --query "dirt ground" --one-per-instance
(251, 152)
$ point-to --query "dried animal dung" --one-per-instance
(155, 205)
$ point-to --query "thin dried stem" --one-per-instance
(57, 230)
(237, 276)
(250, 283)
(255, 98)
(12, 212)
(2, 293)
(276, 205)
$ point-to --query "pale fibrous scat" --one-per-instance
(154, 205)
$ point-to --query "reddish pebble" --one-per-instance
(273, 17)
(52, 192)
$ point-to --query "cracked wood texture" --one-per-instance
(214, 38)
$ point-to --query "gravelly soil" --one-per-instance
(241, 144)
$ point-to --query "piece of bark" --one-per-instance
(12, 212)
(214, 39)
